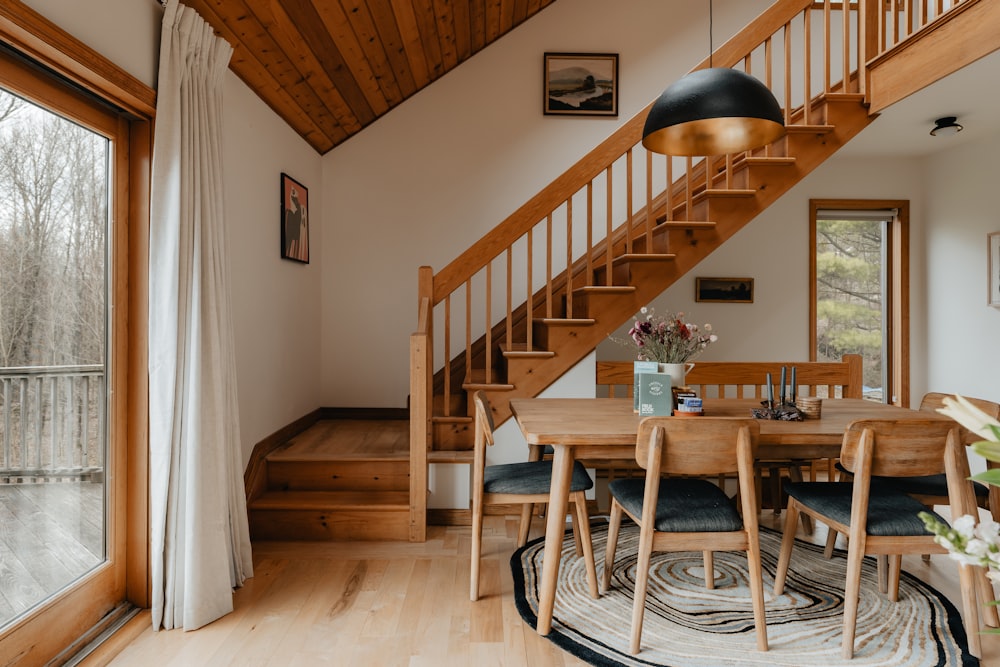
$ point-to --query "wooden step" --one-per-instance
(330, 516)
(332, 475)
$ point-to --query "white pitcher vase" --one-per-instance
(677, 372)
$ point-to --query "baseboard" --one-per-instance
(364, 413)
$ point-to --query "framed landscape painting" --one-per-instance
(724, 290)
(581, 84)
(294, 220)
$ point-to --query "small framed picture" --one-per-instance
(993, 268)
(581, 84)
(294, 220)
(724, 290)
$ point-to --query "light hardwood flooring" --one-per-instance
(386, 604)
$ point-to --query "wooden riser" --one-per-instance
(330, 515)
(332, 526)
(338, 475)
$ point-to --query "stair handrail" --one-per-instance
(590, 165)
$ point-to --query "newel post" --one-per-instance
(421, 402)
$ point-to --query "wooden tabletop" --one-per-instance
(598, 427)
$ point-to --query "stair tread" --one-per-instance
(800, 129)
(684, 224)
(332, 500)
(451, 419)
(607, 289)
(450, 456)
(623, 259)
(555, 321)
(529, 354)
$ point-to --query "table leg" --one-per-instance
(555, 526)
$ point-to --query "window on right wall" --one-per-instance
(859, 278)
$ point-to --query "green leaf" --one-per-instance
(988, 477)
(988, 450)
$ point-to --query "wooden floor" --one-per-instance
(392, 604)
(50, 535)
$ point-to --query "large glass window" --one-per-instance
(858, 301)
(54, 176)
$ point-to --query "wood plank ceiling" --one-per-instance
(330, 68)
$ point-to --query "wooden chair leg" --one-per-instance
(575, 524)
(477, 549)
(614, 525)
(524, 527)
(882, 573)
(775, 480)
(580, 505)
(831, 543)
(970, 610)
(795, 474)
(708, 558)
(757, 590)
(641, 584)
(787, 542)
(892, 584)
(855, 556)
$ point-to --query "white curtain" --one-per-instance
(199, 538)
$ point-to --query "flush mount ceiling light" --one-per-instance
(713, 111)
(946, 126)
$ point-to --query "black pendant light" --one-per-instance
(713, 111)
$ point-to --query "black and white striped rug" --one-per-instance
(687, 625)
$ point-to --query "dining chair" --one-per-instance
(524, 483)
(689, 513)
(880, 519)
(932, 490)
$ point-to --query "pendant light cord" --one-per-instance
(711, 46)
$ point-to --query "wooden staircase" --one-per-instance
(621, 246)
(340, 479)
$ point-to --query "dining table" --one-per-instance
(605, 429)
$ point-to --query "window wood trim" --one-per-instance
(31, 34)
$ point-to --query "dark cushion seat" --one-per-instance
(891, 513)
(683, 506)
(927, 485)
(530, 477)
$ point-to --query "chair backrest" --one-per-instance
(739, 379)
(484, 418)
(934, 400)
(897, 448)
(696, 445)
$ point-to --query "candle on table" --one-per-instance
(793, 385)
(781, 389)
(770, 392)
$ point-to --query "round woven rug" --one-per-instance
(687, 625)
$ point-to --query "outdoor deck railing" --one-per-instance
(52, 422)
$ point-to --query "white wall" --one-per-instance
(434, 175)
(963, 333)
(276, 303)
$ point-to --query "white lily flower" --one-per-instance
(965, 526)
(969, 416)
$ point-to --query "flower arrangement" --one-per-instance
(971, 540)
(667, 339)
